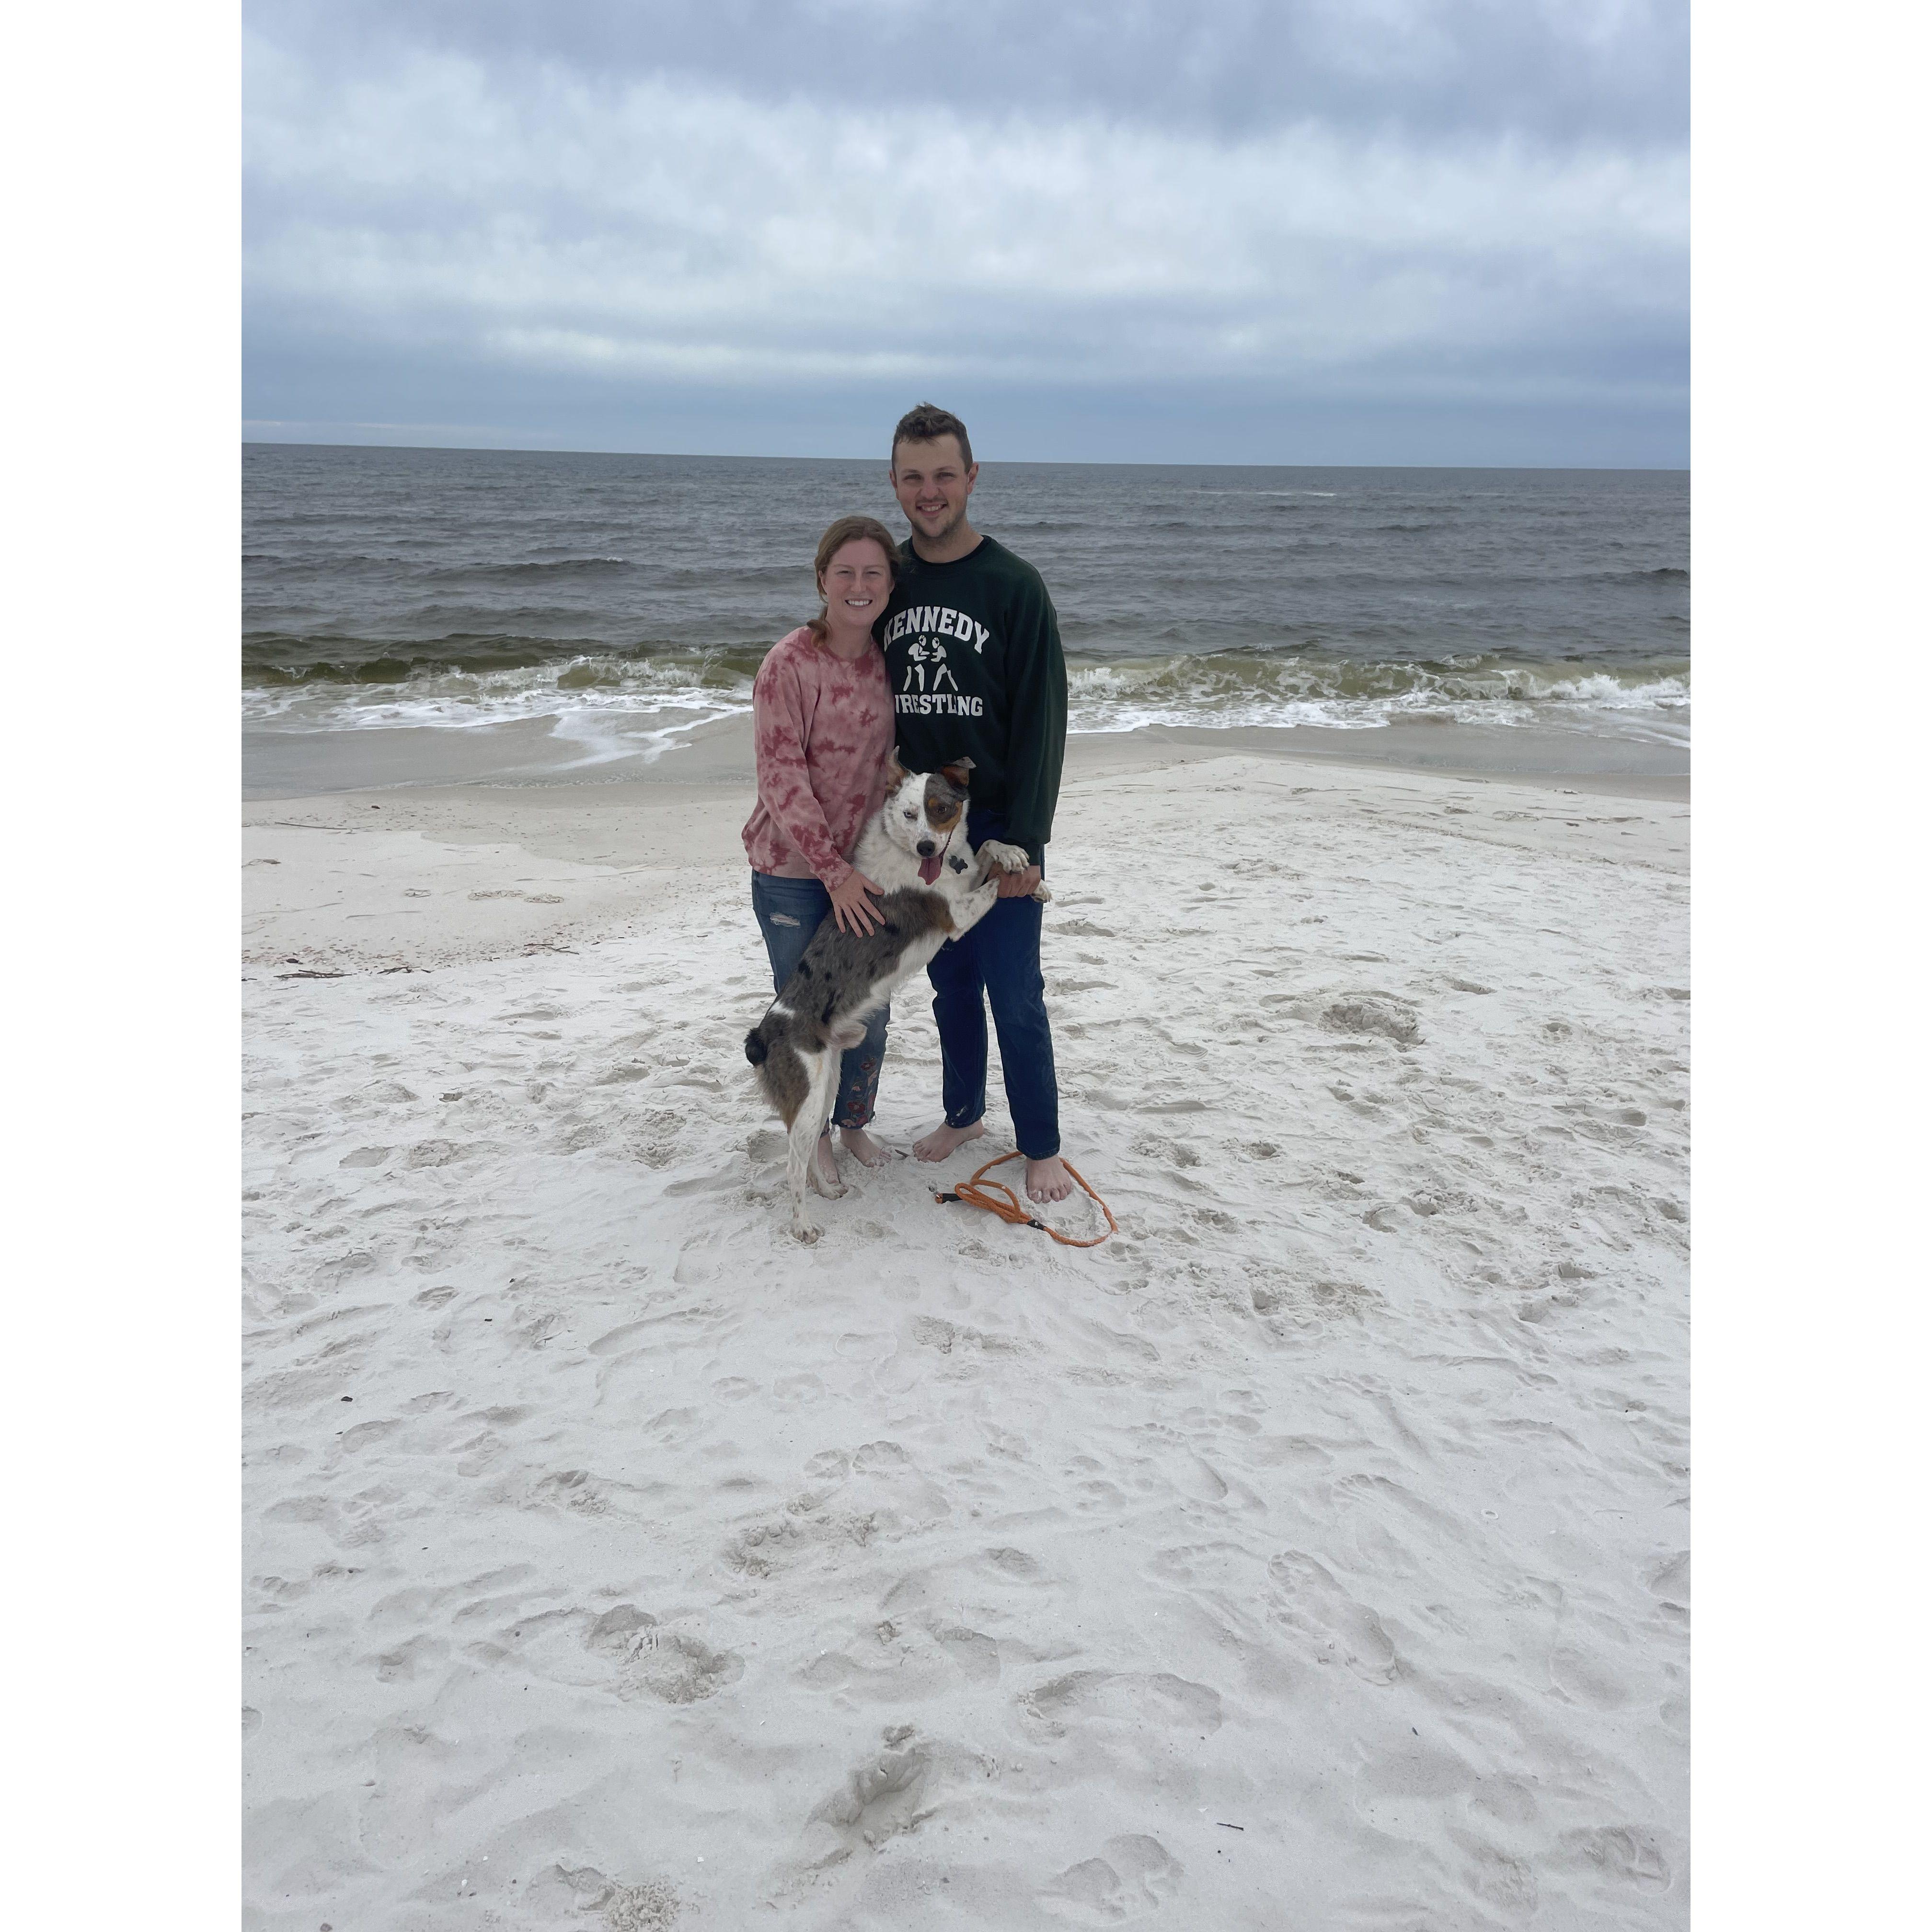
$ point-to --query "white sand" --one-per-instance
(613, 1561)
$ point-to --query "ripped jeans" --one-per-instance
(789, 911)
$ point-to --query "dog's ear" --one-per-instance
(896, 770)
(955, 773)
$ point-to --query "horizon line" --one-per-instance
(1008, 463)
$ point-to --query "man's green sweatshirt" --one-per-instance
(974, 663)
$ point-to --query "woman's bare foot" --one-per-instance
(1048, 1180)
(828, 1161)
(943, 1140)
(861, 1146)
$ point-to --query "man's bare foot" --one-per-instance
(943, 1140)
(1048, 1180)
(861, 1146)
(827, 1161)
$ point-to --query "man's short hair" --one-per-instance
(927, 422)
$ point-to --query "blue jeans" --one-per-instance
(997, 962)
(789, 911)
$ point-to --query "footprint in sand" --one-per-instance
(1312, 1602)
(671, 1666)
(977, 1654)
(1373, 1013)
(762, 1549)
(1014, 1563)
(1125, 1697)
(618, 1338)
(1621, 1852)
(879, 1797)
(409, 1660)
(1669, 1581)
(676, 1669)
(1133, 1876)
(565, 1889)
(576, 1491)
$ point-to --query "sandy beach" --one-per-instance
(1312, 1554)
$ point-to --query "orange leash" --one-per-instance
(979, 1192)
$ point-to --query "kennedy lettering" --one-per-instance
(938, 621)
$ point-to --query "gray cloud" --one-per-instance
(1564, 69)
(1452, 210)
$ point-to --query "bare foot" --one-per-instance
(827, 1163)
(1048, 1180)
(861, 1146)
(943, 1140)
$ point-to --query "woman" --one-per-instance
(822, 725)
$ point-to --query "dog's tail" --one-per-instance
(755, 1048)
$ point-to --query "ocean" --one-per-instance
(624, 602)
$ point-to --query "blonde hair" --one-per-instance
(847, 529)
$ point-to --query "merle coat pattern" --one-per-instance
(937, 886)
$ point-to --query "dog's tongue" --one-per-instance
(928, 868)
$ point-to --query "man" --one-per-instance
(973, 662)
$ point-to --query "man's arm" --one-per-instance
(1036, 681)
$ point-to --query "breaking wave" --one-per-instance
(1233, 688)
(460, 683)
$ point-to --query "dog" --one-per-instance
(936, 886)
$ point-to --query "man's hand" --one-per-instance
(853, 911)
(1018, 885)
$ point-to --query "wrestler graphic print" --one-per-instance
(920, 643)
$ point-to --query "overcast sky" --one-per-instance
(1289, 231)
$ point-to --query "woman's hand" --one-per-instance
(852, 909)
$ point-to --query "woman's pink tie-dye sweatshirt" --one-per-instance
(822, 726)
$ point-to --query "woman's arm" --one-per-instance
(778, 727)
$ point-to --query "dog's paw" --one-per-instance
(806, 1232)
(1008, 858)
(1043, 892)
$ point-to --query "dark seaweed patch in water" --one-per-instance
(284, 659)
(278, 660)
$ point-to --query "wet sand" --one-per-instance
(531, 752)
